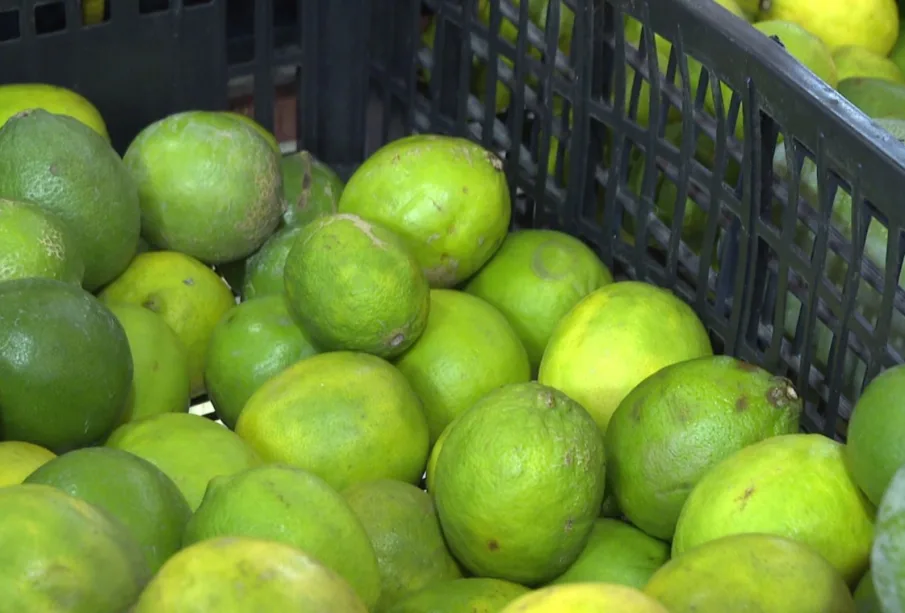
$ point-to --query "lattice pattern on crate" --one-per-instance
(685, 193)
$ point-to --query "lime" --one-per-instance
(472, 595)
(237, 575)
(18, 460)
(35, 243)
(64, 363)
(447, 197)
(347, 417)
(585, 598)
(254, 341)
(519, 482)
(794, 485)
(402, 524)
(535, 278)
(263, 274)
(292, 506)
(467, 349)
(131, 489)
(190, 449)
(311, 189)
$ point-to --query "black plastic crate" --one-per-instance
(358, 75)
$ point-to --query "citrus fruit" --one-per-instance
(793, 485)
(263, 274)
(59, 553)
(872, 24)
(65, 365)
(236, 575)
(865, 596)
(467, 349)
(254, 341)
(854, 61)
(534, 279)
(18, 460)
(447, 197)
(209, 185)
(874, 451)
(65, 167)
(887, 556)
(402, 525)
(130, 489)
(188, 295)
(292, 506)
(160, 380)
(683, 420)
(189, 449)
(310, 188)
(354, 286)
(585, 598)
(17, 97)
(261, 130)
(750, 572)
(875, 97)
(616, 337)
(803, 45)
(471, 595)
(519, 482)
(432, 458)
(618, 553)
(347, 417)
(35, 243)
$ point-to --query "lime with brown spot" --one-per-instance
(750, 572)
(794, 485)
(176, 442)
(241, 574)
(209, 184)
(36, 243)
(354, 286)
(402, 523)
(447, 197)
(467, 350)
(346, 417)
(616, 337)
(519, 482)
(534, 279)
(292, 506)
(310, 188)
(188, 295)
(254, 341)
(683, 420)
(470, 595)
(617, 552)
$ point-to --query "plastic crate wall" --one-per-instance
(359, 74)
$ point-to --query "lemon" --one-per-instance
(872, 24)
